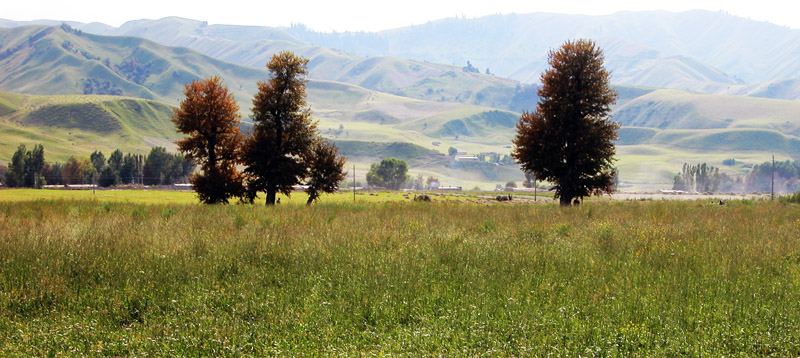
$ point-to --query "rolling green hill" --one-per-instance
(672, 109)
(79, 124)
(429, 110)
(254, 46)
(61, 60)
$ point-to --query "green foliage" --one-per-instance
(115, 160)
(390, 173)
(132, 169)
(162, 168)
(285, 147)
(787, 177)
(98, 160)
(452, 151)
(16, 170)
(326, 170)
(698, 178)
(108, 177)
(791, 198)
(26, 168)
(284, 131)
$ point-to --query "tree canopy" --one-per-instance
(326, 170)
(209, 116)
(568, 140)
(390, 173)
(280, 152)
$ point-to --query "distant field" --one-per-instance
(91, 278)
(188, 197)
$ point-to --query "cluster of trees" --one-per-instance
(421, 183)
(29, 170)
(787, 177)
(697, 178)
(390, 173)
(283, 150)
(26, 167)
(707, 179)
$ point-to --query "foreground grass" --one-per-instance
(626, 278)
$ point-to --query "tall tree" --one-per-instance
(326, 170)
(568, 140)
(77, 171)
(209, 115)
(390, 173)
(15, 175)
(34, 164)
(98, 160)
(284, 132)
(157, 167)
(115, 160)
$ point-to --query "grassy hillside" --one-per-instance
(671, 109)
(79, 124)
(61, 60)
(254, 46)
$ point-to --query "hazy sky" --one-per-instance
(356, 15)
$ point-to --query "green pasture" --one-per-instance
(109, 278)
(148, 196)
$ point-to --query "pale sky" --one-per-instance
(362, 15)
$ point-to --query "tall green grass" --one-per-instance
(606, 279)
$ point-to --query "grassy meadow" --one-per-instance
(81, 277)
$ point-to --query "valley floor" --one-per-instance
(82, 277)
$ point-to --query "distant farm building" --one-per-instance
(470, 158)
(449, 188)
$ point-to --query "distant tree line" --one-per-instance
(787, 177)
(28, 169)
(705, 178)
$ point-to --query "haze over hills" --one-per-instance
(368, 104)
(700, 45)
(703, 51)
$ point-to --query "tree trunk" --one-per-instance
(271, 195)
(565, 201)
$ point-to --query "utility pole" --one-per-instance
(772, 188)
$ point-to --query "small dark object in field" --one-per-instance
(422, 197)
(721, 202)
(278, 201)
(503, 198)
(576, 202)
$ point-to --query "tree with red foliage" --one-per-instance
(209, 116)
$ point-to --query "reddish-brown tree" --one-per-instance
(568, 140)
(284, 132)
(326, 170)
(209, 116)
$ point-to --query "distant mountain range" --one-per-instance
(679, 99)
(703, 51)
